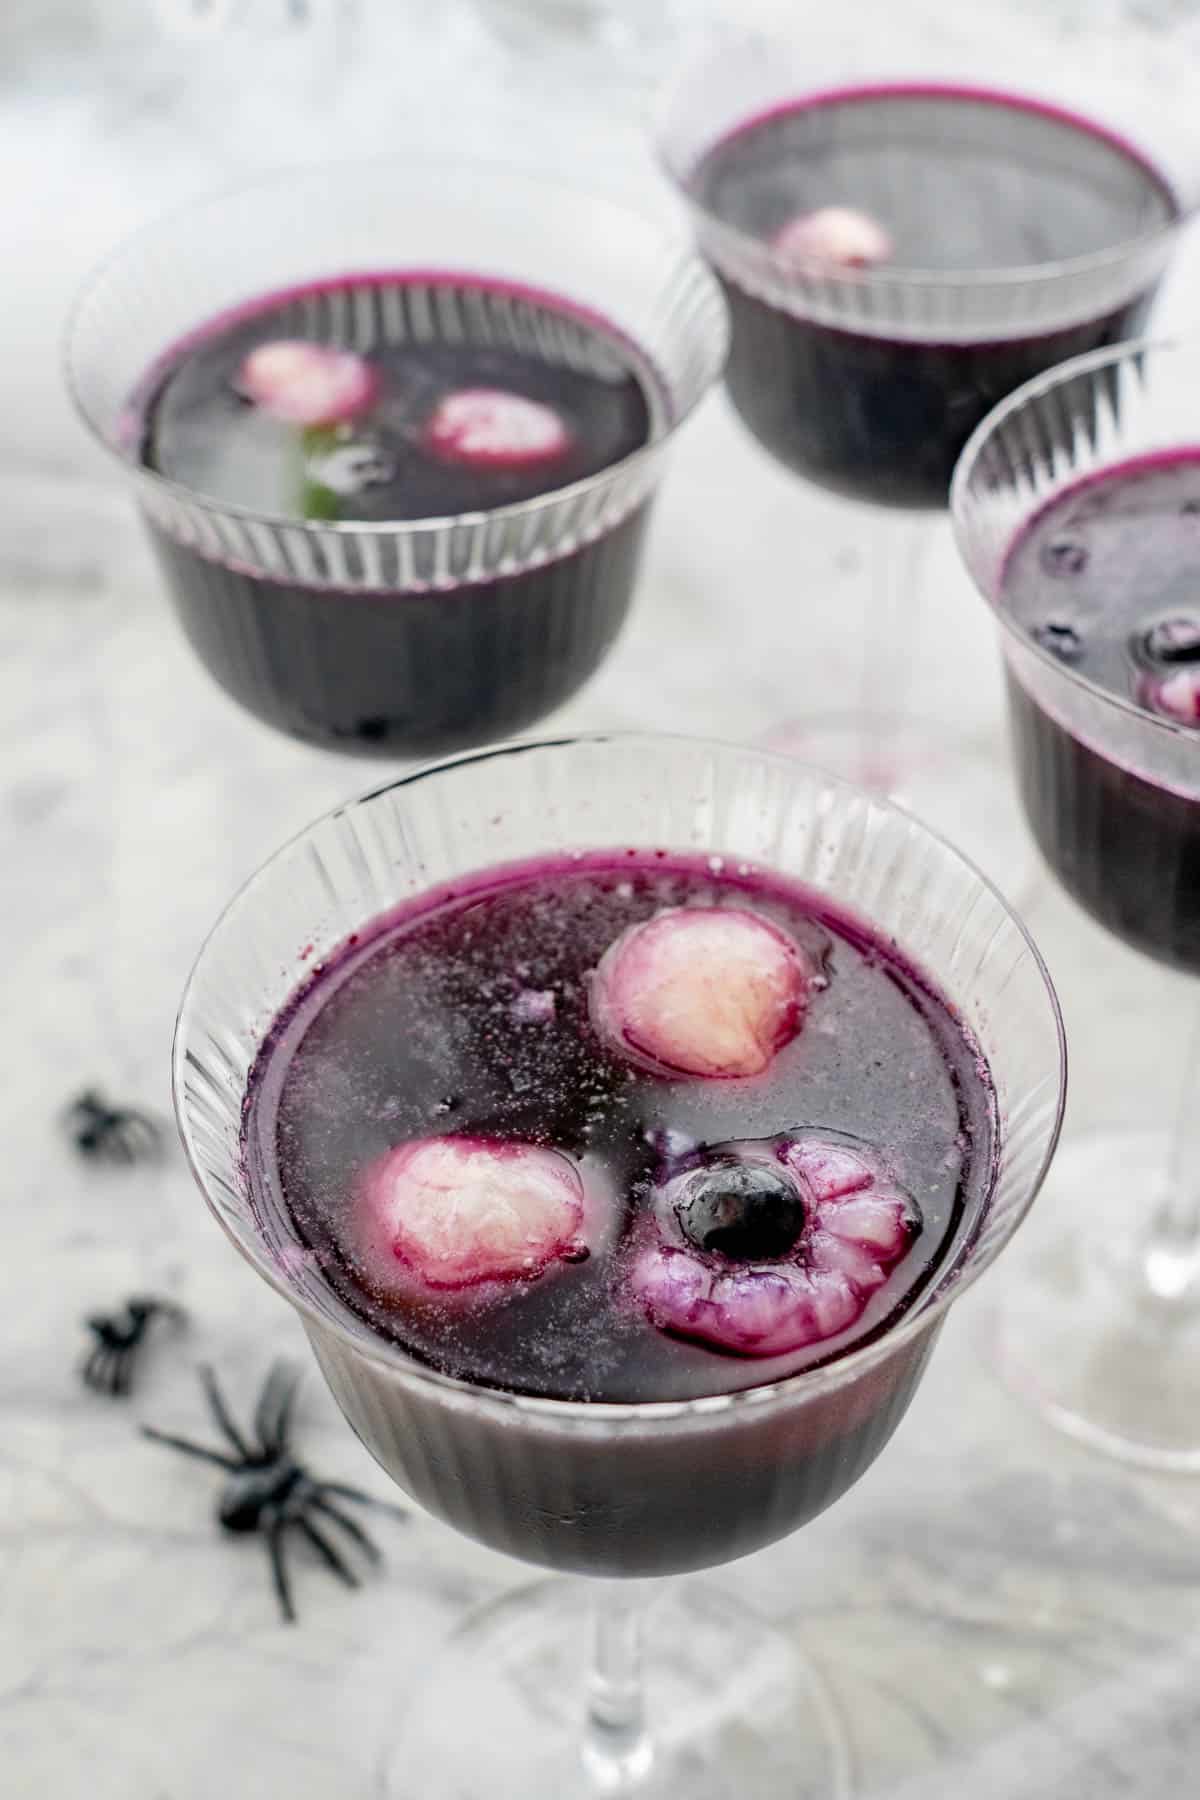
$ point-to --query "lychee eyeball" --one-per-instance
(708, 991)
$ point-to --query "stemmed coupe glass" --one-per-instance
(904, 236)
(618, 1493)
(410, 636)
(1102, 1329)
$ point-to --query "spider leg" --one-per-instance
(352, 1493)
(189, 1449)
(279, 1574)
(91, 1369)
(106, 1370)
(137, 1137)
(123, 1361)
(351, 1527)
(221, 1414)
(272, 1416)
(332, 1558)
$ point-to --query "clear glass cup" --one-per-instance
(1102, 1333)
(619, 1493)
(424, 635)
(867, 381)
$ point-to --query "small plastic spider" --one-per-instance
(120, 1336)
(107, 1133)
(269, 1491)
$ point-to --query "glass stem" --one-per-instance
(617, 1751)
(1171, 1261)
(897, 543)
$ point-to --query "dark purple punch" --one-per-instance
(493, 1181)
(872, 388)
(475, 398)
(1107, 580)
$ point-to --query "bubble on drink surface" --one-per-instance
(704, 991)
(1062, 557)
(836, 237)
(768, 1246)
(307, 384)
(534, 1006)
(490, 428)
(438, 1215)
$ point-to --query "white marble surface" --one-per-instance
(999, 1614)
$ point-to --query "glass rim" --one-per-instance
(1030, 392)
(893, 276)
(125, 253)
(826, 1377)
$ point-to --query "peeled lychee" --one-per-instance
(835, 237)
(492, 429)
(709, 991)
(307, 384)
(437, 1215)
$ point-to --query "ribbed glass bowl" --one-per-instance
(633, 1489)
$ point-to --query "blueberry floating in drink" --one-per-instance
(395, 433)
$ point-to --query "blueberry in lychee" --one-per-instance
(749, 1210)
(769, 1246)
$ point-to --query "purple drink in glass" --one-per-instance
(481, 398)
(571, 1071)
(720, 1239)
(1107, 580)
(1077, 507)
(957, 182)
(395, 430)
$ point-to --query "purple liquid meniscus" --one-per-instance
(1106, 581)
(468, 1015)
(394, 659)
(880, 407)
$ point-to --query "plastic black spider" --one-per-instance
(269, 1491)
(105, 1133)
(120, 1336)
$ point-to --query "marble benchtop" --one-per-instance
(999, 1613)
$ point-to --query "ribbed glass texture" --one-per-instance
(632, 1489)
(1112, 791)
